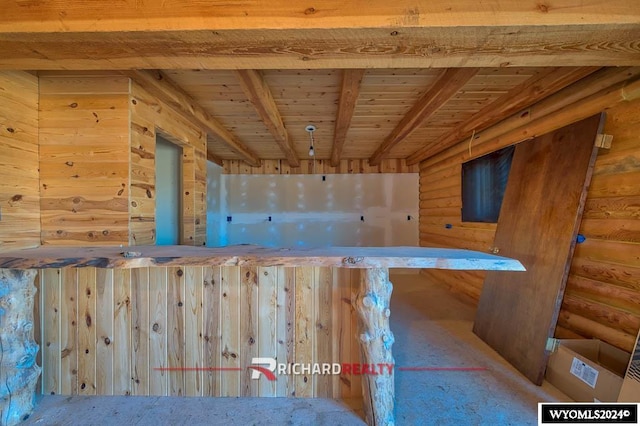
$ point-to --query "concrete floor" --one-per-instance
(432, 329)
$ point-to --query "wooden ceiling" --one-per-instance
(379, 79)
(399, 107)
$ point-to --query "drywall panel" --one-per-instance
(313, 210)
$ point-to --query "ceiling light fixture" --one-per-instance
(310, 129)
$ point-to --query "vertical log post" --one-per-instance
(18, 369)
(376, 339)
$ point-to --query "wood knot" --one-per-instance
(107, 341)
(352, 260)
(133, 101)
(394, 33)
(252, 340)
(73, 105)
(310, 11)
(10, 129)
(87, 320)
(543, 7)
(16, 198)
(179, 272)
(180, 304)
(155, 327)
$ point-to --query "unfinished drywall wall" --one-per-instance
(19, 192)
(320, 167)
(314, 210)
(602, 296)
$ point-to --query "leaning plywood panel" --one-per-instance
(538, 223)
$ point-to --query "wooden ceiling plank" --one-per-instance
(259, 93)
(349, 92)
(449, 83)
(159, 85)
(522, 96)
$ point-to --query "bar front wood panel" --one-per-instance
(19, 191)
(602, 296)
(168, 330)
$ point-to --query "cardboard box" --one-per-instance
(587, 370)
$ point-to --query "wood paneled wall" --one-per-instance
(84, 165)
(19, 191)
(97, 162)
(110, 332)
(602, 298)
(148, 117)
(319, 167)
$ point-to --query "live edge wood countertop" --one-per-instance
(251, 255)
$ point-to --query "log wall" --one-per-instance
(19, 192)
(602, 298)
(113, 331)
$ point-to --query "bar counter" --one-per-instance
(184, 320)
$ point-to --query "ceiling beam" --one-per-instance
(277, 34)
(349, 92)
(448, 84)
(259, 94)
(214, 158)
(164, 89)
(538, 87)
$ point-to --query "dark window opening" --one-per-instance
(484, 181)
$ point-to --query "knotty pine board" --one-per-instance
(109, 331)
(19, 183)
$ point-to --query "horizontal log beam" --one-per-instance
(523, 95)
(602, 86)
(447, 85)
(332, 34)
(260, 95)
(349, 92)
(164, 89)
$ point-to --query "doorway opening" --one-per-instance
(168, 192)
